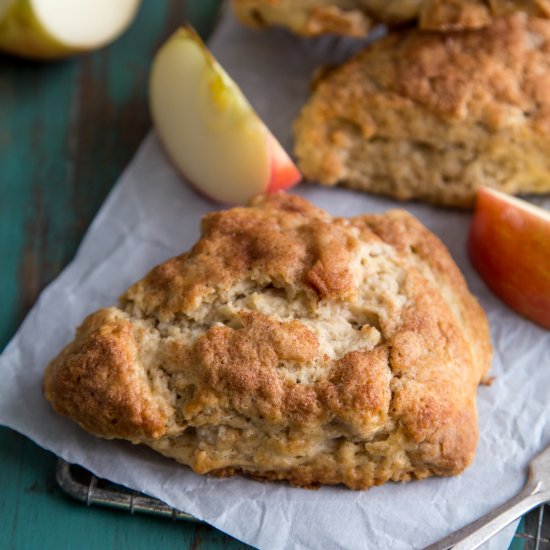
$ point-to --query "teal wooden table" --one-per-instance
(67, 130)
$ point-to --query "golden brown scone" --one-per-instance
(452, 15)
(434, 116)
(289, 345)
(356, 17)
(305, 17)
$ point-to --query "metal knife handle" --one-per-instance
(476, 533)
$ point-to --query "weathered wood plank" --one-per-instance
(33, 121)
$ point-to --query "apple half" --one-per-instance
(52, 29)
(509, 245)
(209, 130)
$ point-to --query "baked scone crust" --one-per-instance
(357, 17)
(433, 116)
(307, 17)
(289, 345)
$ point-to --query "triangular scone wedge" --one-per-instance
(289, 345)
(434, 116)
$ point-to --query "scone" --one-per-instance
(289, 345)
(433, 116)
(356, 17)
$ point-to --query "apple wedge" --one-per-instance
(209, 130)
(52, 29)
(509, 245)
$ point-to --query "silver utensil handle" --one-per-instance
(476, 533)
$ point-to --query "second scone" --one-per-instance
(433, 116)
(356, 17)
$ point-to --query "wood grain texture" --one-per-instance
(67, 130)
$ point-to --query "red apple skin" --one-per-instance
(509, 245)
(284, 173)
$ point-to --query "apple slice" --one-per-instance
(209, 130)
(51, 29)
(509, 245)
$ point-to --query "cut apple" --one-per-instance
(509, 245)
(209, 130)
(51, 29)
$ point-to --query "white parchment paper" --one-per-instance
(152, 215)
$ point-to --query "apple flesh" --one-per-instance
(209, 130)
(509, 245)
(53, 29)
